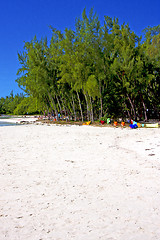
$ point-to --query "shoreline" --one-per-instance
(19, 120)
(35, 120)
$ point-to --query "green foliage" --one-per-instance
(9, 104)
(93, 71)
(20, 104)
(105, 118)
(28, 105)
(92, 86)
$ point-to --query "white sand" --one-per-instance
(82, 183)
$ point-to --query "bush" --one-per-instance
(105, 117)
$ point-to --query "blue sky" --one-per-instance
(21, 20)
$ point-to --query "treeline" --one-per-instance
(93, 70)
(10, 103)
(19, 104)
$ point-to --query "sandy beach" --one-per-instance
(79, 182)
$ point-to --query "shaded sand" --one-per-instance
(82, 183)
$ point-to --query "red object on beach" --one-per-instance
(102, 122)
(115, 124)
(131, 121)
(122, 124)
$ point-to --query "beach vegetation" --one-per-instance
(90, 72)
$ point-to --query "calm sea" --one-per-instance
(4, 123)
(7, 124)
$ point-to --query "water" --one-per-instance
(2, 124)
(5, 123)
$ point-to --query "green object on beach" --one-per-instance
(108, 120)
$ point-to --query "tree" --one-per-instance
(93, 70)
(151, 46)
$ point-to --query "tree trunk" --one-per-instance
(68, 106)
(92, 116)
(144, 106)
(145, 111)
(54, 105)
(80, 106)
(63, 106)
(60, 108)
(47, 102)
(129, 115)
(101, 102)
(134, 112)
(88, 117)
(73, 105)
(101, 106)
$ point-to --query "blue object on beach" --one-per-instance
(133, 126)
